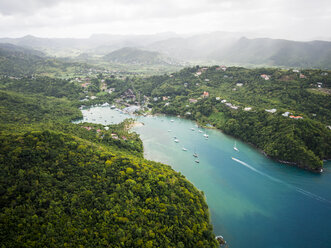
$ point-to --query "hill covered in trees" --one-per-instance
(68, 185)
(285, 113)
(131, 55)
(17, 61)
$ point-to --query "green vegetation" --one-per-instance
(130, 55)
(16, 108)
(16, 61)
(85, 185)
(305, 142)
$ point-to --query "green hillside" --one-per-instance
(16, 60)
(242, 103)
(68, 185)
(130, 55)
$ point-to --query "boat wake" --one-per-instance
(302, 191)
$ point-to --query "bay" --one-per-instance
(253, 201)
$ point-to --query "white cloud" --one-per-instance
(295, 19)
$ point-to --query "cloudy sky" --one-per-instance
(290, 19)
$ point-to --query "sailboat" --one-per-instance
(235, 147)
(195, 153)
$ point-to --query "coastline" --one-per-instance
(289, 163)
(209, 126)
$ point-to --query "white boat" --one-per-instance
(195, 155)
(235, 147)
(200, 131)
(176, 140)
(184, 149)
(205, 135)
(192, 129)
(112, 106)
(197, 161)
(172, 120)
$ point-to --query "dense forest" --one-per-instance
(285, 113)
(76, 185)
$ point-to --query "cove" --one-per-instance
(253, 201)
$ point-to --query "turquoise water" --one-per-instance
(254, 201)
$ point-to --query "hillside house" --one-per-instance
(271, 110)
(205, 94)
(265, 76)
(86, 84)
(296, 117)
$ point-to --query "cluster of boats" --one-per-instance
(206, 137)
(185, 149)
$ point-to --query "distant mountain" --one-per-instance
(130, 55)
(230, 48)
(215, 47)
(196, 46)
(97, 43)
(274, 52)
(15, 60)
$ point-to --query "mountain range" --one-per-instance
(216, 48)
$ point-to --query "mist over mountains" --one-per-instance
(216, 47)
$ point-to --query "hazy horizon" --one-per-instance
(292, 20)
(174, 34)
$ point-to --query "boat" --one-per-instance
(192, 129)
(220, 240)
(169, 130)
(172, 120)
(235, 147)
(200, 131)
(176, 140)
(195, 155)
(205, 135)
(112, 106)
(184, 149)
(197, 161)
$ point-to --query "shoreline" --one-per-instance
(293, 164)
(289, 163)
